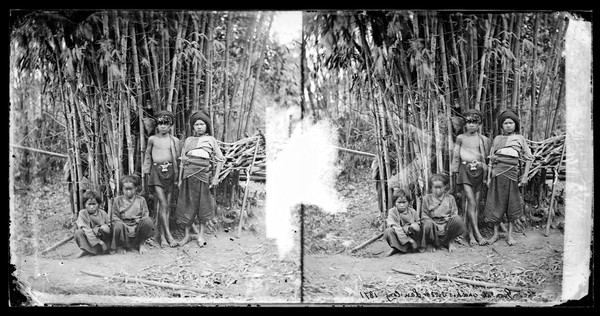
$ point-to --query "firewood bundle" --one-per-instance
(239, 155)
(546, 154)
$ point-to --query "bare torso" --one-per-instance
(161, 148)
(469, 148)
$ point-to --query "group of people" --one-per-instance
(193, 168)
(476, 161)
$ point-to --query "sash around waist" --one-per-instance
(197, 161)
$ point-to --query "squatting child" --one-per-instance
(440, 221)
(503, 195)
(201, 163)
(469, 166)
(93, 234)
(160, 166)
(404, 228)
(130, 219)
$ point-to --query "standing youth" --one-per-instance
(201, 163)
(468, 163)
(503, 195)
(161, 167)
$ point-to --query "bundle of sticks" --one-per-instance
(546, 154)
(239, 156)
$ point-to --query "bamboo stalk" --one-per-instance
(239, 230)
(466, 281)
(40, 151)
(260, 61)
(58, 244)
(150, 282)
(366, 243)
(551, 210)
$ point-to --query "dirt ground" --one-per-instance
(228, 270)
(333, 274)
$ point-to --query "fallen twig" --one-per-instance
(149, 282)
(366, 243)
(472, 282)
(58, 244)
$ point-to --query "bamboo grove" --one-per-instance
(396, 82)
(103, 74)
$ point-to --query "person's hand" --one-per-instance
(105, 229)
(214, 183)
(415, 227)
(523, 182)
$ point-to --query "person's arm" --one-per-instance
(148, 156)
(456, 154)
(144, 207)
(218, 155)
(84, 223)
(453, 207)
(528, 159)
(424, 210)
(491, 160)
(115, 215)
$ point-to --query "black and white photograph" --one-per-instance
(451, 129)
(308, 157)
(138, 156)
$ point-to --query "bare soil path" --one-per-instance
(230, 270)
(335, 275)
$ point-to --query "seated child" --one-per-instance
(93, 226)
(130, 218)
(404, 226)
(440, 221)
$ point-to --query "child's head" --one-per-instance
(508, 121)
(401, 199)
(164, 121)
(91, 201)
(473, 119)
(129, 185)
(438, 183)
(196, 122)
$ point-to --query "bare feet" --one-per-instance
(430, 248)
(163, 243)
(121, 250)
(472, 241)
(81, 254)
(184, 240)
(510, 241)
(422, 249)
(492, 240)
(482, 241)
(172, 242)
(141, 249)
(451, 247)
(391, 252)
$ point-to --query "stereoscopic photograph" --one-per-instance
(293, 158)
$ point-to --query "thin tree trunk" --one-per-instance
(463, 60)
(517, 62)
(486, 47)
(226, 106)
(446, 99)
(175, 61)
(261, 61)
(533, 81)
